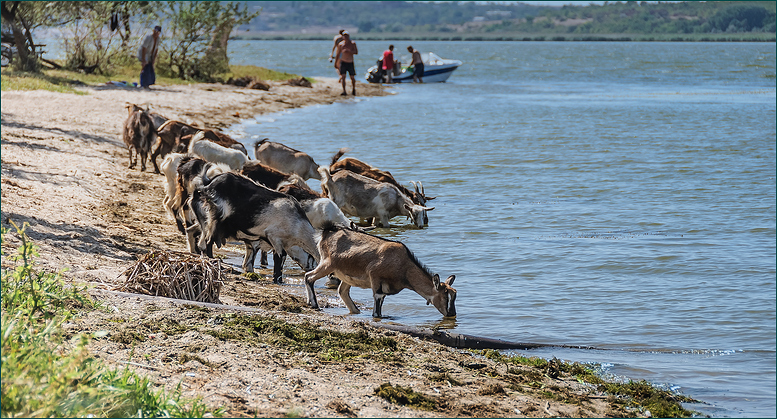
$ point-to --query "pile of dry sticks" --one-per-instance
(175, 275)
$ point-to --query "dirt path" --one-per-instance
(64, 173)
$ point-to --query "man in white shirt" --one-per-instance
(147, 56)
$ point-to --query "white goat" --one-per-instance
(214, 153)
(170, 170)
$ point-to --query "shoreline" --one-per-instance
(64, 172)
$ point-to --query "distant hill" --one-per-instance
(715, 20)
(294, 17)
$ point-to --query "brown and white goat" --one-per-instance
(385, 266)
(365, 198)
(359, 167)
(170, 134)
(286, 159)
(138, 135)
(264, 175)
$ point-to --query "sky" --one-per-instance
(561, 3)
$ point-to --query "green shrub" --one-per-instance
(45, 375)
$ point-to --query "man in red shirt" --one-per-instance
(388, 64)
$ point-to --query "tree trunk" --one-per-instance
(216, 54)
(27, 61)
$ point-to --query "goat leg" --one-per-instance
(250, 257)
(278, 260)
(131, 163)
(143, 156)
(322, 270)
(376, 312)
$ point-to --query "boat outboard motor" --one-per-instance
(376, 75)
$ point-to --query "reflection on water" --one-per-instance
(446, 323)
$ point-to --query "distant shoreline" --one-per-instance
(738, 37)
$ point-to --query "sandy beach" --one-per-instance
(64, 172)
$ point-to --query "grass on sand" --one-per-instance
(65, 81)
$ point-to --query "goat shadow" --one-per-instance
(8, 122)
(82, 239)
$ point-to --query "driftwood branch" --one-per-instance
(175, 275)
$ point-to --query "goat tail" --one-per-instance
(199, 136)
(165, 125)
(326, 175)
(339, 154)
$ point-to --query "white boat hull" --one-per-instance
(434, 74)
(436, 70)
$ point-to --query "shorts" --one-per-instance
(418, 70)
(347, 68)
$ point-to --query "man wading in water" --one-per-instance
(346, 50)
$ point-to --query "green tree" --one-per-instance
(96, 41)
(194, 43)
(739, 18)
(21, 18)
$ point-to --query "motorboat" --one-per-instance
(436, 70)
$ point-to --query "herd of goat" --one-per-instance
(215, 193)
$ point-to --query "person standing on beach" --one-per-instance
(388, 63)
(418, 65)
(147, 56)
(346, 50)
(338, 39)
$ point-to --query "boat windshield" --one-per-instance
(430, 58)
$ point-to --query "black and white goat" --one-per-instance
(231, 206)
(188, 170)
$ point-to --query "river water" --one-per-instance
(611, 195)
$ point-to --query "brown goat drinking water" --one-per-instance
(387, 267)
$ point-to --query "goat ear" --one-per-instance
(429, 198)
(450, 279)
(428, 208)
(436, 281)
(408, 207)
